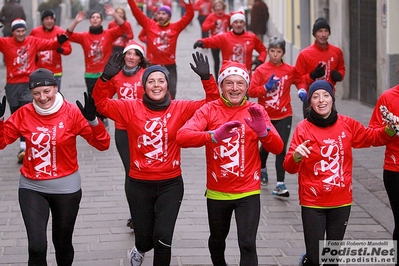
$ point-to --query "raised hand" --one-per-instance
(201, 66)
(225, 131)
(272, 83)
(3, 106)
(318, 72)
(114, 64)
(258, 122)
(89, 110)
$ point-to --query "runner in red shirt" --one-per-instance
(96, 44)
(155, 188)
(49, 178)
(321, 154)
(271, 84)
(19, 56)
(231, 128)
(120, 43)
(321, 60)
(236, 45)
(217, 22)
(51, 59)
(162, 38)
(127, 85)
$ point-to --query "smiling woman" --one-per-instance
(49, 178)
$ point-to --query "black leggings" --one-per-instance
(35, 207)
(391, 183)
(247, 214)
(154, 206)
(283, 128)
(122, 145)
(320, 222)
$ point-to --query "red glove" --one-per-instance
(258, 123)
(225, 131)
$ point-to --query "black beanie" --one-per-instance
(41, 77)
(321, 23)
(321, 85)
(152, 69)
(48, 13)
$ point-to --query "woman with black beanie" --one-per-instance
(155, 189)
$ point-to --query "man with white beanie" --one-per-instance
(233, 164)
(238, 44)
(19, 56)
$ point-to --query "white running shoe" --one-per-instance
(136, 257)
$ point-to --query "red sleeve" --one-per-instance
(289, 163)
(301, 66)
(193, 133)
(143, 36)
(186, 19)
(142, 19)
(256, 86)
(216, 41)
(209, 23)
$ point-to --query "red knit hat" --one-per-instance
(132, 44)
(233, 68)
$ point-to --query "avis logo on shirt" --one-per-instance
(42, 154)
(154, 141)
(230, 154)
(331, 164)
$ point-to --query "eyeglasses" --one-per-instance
(239, 84)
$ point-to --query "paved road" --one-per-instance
(101, 236)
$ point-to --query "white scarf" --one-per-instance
(59, 100)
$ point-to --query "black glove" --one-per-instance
(89, 111)
(202, 66)
(336, 76)
(60, 50)
(257, 63)
(114, 64)
(318, 72)
(198, 44)
(62, 38)
(3, 106)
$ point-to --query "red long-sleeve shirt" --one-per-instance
(325, 178)
(161, 40)
(126, 88)
(237, 48)
(51, 140)
(97, 48)
(154, 153)
(121, 41)
(20, 57)
(204, 7)
(390, 99)
(276, 102)
(51, 59)
(233, 164)
(309, 58)
(215, 24)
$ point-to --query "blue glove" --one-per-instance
(271, 84)
(302, 95)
